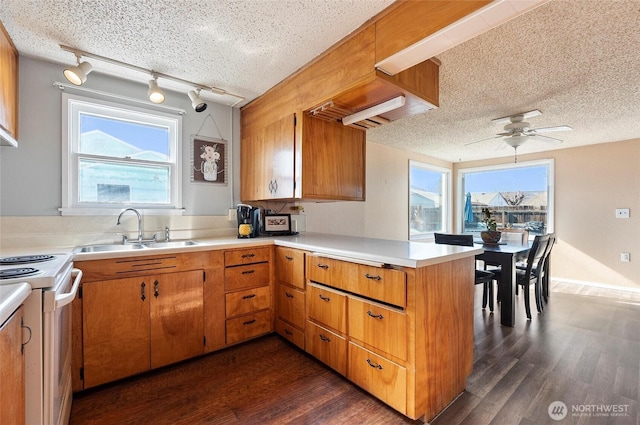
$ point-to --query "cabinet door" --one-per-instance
(177, 315)
(328, 347)
(12, 371)
(327, 307)
(290, 303)
(8, 84)
(115, 329)
(267, 159)
(290, 266)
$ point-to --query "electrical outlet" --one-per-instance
(622, 212)
(232, 214)
(625, 257)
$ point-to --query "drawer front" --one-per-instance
(243, 302)
(329, 271)
(290, 266)
(292, 334)
(246, 256)
(249, 276)
(290, 305)
(379, 327)
(386, 285)
(249, 326)
(379, 376)
(327, 307)
(328, 347)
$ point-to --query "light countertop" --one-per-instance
(11, 296)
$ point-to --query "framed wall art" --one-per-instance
(209, 160)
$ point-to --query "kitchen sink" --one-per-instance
(107, 248)
(170, 244)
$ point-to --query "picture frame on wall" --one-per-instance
(209, 160)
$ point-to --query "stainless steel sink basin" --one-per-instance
(170, 244)
(107, 248)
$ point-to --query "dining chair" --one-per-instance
(482, 277)
(524, 278)
(514, 236)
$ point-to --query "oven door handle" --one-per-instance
(67, 297)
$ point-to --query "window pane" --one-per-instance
(122, 183)
(123, 139)
(426, 200)
(516, 196)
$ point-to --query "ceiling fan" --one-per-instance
(517, 131)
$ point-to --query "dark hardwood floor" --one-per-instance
(583, 350)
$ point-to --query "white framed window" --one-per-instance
(116, 156)
(429, 200)
(519, 196)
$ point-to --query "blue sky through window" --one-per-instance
(143, 136)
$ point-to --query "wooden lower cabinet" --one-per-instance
(248, 326)
(290, 304)
(134, 324)
(290, 333)
(12, 373)
(379, 376)
(328, 347)
(327, 306)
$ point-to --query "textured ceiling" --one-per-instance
(577, 61)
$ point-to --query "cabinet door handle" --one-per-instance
(373, 365)
(155, 289)
(324, 338)
(248, 271)
(327, 299)
(375, 316)
(275, 186)
(323, 266)
(372, 277)
(248, 322)
(288, 257)
(142, 295)
(248, 255)
(288, 332)
(22, 325)
(246, 297)
(288, 295)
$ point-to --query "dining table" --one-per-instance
(506, 256)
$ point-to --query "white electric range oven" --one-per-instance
(47, 313)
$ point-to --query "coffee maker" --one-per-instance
(248, 221)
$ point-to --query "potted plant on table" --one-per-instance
(491, 235)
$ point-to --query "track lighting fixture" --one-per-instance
(77, 74)
(197, 103)
(156, 95)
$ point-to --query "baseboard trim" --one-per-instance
(595, 284)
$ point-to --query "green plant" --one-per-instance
(488, 221)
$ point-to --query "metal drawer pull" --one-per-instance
(142, 285)
(372, 364)
(288, 258)
(375, 316)
(323, 266)
(248, 272)
(246, 297)
(22, 325)
(324, 338)
(155, 289)
(288, 295)
(324, 298)
(372, 277)
(248, 255)
(248, 322)
(288, 332)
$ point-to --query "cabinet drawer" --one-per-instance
(290, 305)
(328, 347)
(327, 307)
(246, 256)
(329, 271)
(243, 302)
(292, 334)
(290, 266)
(379, 376)
(379, 327)
(249, 326)
(386, 285)
(249, 276)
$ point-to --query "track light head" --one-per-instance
(77, 74)
(197, 103)
(156, 95)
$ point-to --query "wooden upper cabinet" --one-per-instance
(8, 84)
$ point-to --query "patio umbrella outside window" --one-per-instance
(468, 209)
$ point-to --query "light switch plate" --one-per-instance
(625, 257)
(622, 212)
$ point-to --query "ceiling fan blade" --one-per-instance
(545, 139)
(525, 115)
(483, 140)
(551, 129)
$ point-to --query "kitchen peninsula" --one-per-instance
(404, 331)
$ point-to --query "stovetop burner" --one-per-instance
(25, 259)
(18, 272)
